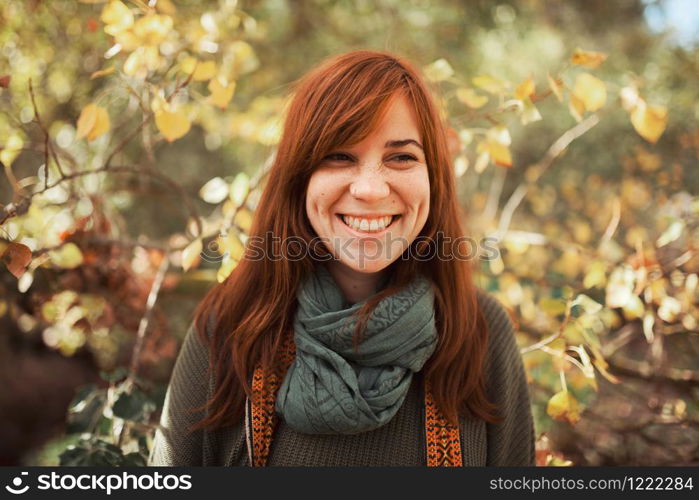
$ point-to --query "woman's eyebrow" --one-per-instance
(401, 143)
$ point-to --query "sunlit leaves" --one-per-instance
(460, 165)
(496, 146)
(92, 122)
(587, 58)
(11, 149)
(172, 124)
(214, 191)
(529, 112)
(117, 17)
(152, 29)
(192, 254)
(471, 98)
(239, 188)
(556, 87)
(490, 84)
(439, 70)
(200, 70)
(17, 257)
(564, 407)
(221, 92)
(672, 233)
(620, 288)
(590, 92)
(525, 89)
(649, 121)
(67, 256)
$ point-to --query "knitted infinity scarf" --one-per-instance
(331, 389)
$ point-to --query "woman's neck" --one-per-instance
(355, 286)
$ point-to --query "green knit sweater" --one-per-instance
(400, 442)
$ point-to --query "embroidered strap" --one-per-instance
(443, 439)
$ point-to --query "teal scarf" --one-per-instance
(330, 388)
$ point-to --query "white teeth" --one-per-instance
(367, 225)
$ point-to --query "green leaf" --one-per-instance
(135, 406)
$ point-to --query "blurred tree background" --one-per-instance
(134, 137)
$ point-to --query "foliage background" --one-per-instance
(598, 237)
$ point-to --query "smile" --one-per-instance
(368, 224)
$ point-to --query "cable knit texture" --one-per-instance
(400, 442)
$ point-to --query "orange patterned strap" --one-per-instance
(443, 439)
(261, 417)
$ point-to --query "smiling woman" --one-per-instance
(360, 353)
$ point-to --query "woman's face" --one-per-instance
(369, 201)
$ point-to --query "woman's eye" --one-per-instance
(403, 158)
(338, 157)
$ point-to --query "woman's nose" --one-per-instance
(370, 184)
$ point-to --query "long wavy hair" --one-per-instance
(243, 319)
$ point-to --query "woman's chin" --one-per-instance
(366, 266)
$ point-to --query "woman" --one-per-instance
(355, 336)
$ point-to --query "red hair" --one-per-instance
(338, 103)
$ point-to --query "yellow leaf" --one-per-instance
(460, 165)
(482, 161)
(556, 87)
(490, 84)
(92, 122)
(117, 17)
(202, 70)
(525, 89)
(596, 275)
(564, 407)
(576, 107)
(102, 72)
(591, 91)
(497, 146)
(620, 287)
(142, 60)
(439, 70)
(588, 305)
(191, 254)
(243, 220)
(587, 58)
(172, 124)
(552, 306)
(67, 256)
(225, 270)
(649, 121)
(239, 188)
(152, 28)
(470, 98)
(221, 92)
(634, 308)
(214, 191)
(86, 121)
(231, 246)
(529, 112)
(11, 149)
(669, 309)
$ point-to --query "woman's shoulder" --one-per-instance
(502, 344)
(495, 313)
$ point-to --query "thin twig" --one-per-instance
(145, 319)
(553, 152)
(48, 147)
